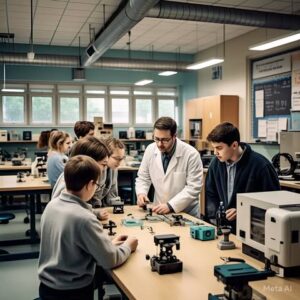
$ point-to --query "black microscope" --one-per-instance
(165, 262)
(223, 229)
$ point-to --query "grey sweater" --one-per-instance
(73, 243)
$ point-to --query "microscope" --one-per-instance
(165, 262)
(118, 205)
(223, 229)
(236, 278)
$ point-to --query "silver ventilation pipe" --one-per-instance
(129, 16)
(104, 62)
(224, 15)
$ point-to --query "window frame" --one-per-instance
(25, 109)
(82, 96)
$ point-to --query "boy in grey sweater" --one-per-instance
(72, 238)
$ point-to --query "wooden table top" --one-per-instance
(9, 167)
(9, 183)
(199, 258)
(290, 184)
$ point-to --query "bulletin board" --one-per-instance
(277, 100)
(272, 95)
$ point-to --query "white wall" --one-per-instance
(236, 71)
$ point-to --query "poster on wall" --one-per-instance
(272, 66)
(296, 81)
(275, 96)
(259, 103)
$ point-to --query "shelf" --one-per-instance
(18, 142)
(135, 140)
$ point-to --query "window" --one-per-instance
(41, 110)
(95, 90)
(41, 88)
(166, 108)
(69, 89)
(167, 92)
(143, 111)
(95, 107)
(119, 91)
(68, 110)
(120, 110)
(13, 109)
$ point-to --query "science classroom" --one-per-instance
(149, 149)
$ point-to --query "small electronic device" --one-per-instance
(131, 222)
(110, 226)
(139, 134)
(223, 229)
(15, 161)
(27, 135)
(165, 262)
(203, 233)
(123, 135)
(268, 224)
(118, 205)
(20, 177)
(236, 278)
(3, 135)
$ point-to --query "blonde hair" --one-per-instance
(56, 140)
(113, 143)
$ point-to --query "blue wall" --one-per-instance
(186, 82)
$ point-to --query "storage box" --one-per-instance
(3, 135)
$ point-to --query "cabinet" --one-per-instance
(210, 111)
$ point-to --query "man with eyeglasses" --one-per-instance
(175, 170)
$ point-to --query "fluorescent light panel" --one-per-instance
(144, 82)
(167, 73)
(276, 42)
(204, 64)
(13, 90)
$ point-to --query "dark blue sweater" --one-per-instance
(254, 173)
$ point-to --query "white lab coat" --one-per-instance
(181, 185)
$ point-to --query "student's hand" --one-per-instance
(142, 200)
(132, 242)
(119, 240)
(161, 209)
(231, 214)
(102, 214)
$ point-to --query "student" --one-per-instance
(109, 184)
(43, 142)
(73, 242)
(235, 169)
(175, 170)
(97, 150)
(84, 128)
(59, 145)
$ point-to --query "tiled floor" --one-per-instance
(18, 279)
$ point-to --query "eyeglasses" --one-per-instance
(98, 185)
(163, 140)
(118, 158)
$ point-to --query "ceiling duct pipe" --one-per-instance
(129, 16)
(104, 62)
(223, 15)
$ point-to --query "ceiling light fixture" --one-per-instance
(4, 89)
(276, 42)
(143, 82)
(31, 54)
(211, 61)
(204, 64)
(167, 73)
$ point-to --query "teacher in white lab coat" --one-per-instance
(175, 170)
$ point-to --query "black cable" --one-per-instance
(276, 164)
